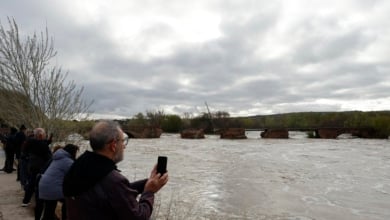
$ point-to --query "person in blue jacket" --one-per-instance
(50, 184)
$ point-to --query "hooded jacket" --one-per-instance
(94, 189)
(50, 184)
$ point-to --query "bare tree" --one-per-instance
(31, 90)
(155, 117)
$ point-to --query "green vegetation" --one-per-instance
(376, 120)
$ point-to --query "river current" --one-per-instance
(255, 178)
(293, 179)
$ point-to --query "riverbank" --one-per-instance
(11, 196)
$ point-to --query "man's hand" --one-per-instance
(155, 181)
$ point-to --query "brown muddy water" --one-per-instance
(293, 179)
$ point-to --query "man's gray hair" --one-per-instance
(39, 133)
(102, 133)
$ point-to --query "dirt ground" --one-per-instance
(11, 196)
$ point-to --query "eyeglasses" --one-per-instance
(125, 140)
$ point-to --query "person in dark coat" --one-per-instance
(38, 153)
(20, 138)
(9, 148)
(23, 164)
(50, 184)
(95, 189)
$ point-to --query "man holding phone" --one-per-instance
(94, 188)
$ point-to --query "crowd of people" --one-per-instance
(89, 186)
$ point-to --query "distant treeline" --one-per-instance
(351, 119)
(376, 120)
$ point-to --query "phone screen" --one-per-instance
(162, 164)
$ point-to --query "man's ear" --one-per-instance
(112, 146)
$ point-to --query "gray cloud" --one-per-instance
(267, 58)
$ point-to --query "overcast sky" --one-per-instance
(246, 57)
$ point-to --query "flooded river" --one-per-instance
(293, 179)
(296, 178)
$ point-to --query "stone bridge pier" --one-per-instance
(335, 132)
(326, 133)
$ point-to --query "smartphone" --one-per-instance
(162, 164)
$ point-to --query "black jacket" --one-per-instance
(20, 138)
(38, 153)
(94, 189)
